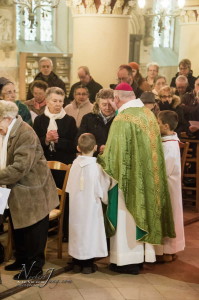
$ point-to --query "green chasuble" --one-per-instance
(134, 157)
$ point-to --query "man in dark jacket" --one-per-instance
(86, 80)
(184, 69)
(46, 74)
(125, 74)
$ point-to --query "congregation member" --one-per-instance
(184, 69)
(86, 80)
(23, 169)
(133, 157)
(182, 86)
(37, 104)
(87, 187)
(190, 102)
(56, 130)
(148, 99)
(168, 121)
(98, 122)
(159, 82)
(142, 83)
(125, 74)
(8, 93)
(81, 104)
(169, 101)
(152, 73)
(46, 74)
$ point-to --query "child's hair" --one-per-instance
(86, 142)
(169, 117)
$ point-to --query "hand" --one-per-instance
(193, 128)
(52, 136)
(101, 149)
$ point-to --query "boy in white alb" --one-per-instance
(87, 187)
(168, 121)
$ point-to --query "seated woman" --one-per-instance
(169, 101)
(99, 121)
(81, 104)
(37, 104)
(159, 82)
(8, 93)
(23, 169)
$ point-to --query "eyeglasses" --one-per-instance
(166, 96)
(81, 94)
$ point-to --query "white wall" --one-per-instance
(189, 45)
(100, 42)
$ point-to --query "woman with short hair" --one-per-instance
(23, 169)
(98, 122)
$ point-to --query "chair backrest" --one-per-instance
(184, 147)
(59, 166)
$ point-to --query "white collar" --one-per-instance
(131, 103)
(86, 160)
(173, 137)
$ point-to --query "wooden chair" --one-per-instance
(58, 213)
(184, 147)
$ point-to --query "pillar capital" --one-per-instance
(101, 7)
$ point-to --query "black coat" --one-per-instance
(190, 77)
(137, 91)
(183, 125)
(93, 88)
(65, 149)
(53, 80)
(93, 123)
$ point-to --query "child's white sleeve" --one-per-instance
(105, 183)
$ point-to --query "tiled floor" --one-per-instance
(178, 280)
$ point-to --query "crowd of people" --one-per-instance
(123, 144)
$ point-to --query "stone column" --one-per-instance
(189, 37)
(100, 37)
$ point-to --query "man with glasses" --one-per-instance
(184, 69)
(125, 74)
(87, 81)
(81, 104)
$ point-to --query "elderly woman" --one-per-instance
(8, 93)
(55, 129)
(159, 82)
(37, 104)
(99, 121)
(81, 104)
(169, 101)
(24, 170)
(152, 73)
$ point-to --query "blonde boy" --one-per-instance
(87, 187)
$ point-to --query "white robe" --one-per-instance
(124, 249)
(173, 170)
(87, 186)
